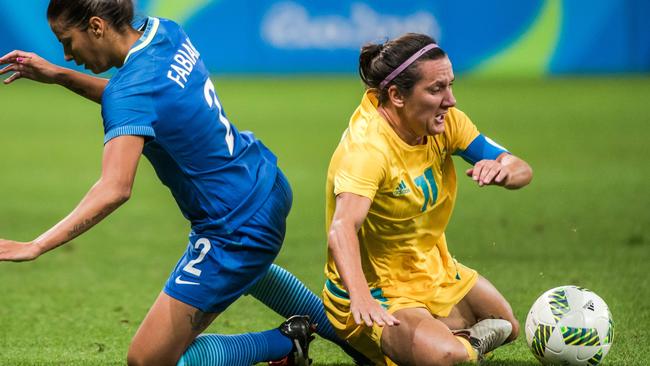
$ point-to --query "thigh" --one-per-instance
(485, 301)
(481, 302)
(166, 332)
(421, 339)
(460, 317)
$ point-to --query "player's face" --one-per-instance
(81, 46)
(425, 109)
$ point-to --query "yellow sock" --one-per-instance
(471, 352)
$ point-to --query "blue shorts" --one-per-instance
(216, 270)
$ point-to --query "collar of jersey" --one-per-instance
(145, 38)
(369, 105)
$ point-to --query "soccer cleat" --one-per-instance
(488, 334)
(299, 329)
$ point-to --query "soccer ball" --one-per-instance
(569, 325)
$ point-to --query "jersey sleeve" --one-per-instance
(128, 110)
(460, 131)
(360, 170)
(467, 142)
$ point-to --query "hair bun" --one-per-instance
(369, 53)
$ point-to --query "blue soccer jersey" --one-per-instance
(218, 176)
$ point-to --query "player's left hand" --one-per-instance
(489, 172)
(15, 251)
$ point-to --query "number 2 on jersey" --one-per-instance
(212, 100)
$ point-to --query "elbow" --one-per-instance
(122, 196)
(339, 235)
(523, 178)
(333, 235)
(331, 238)
(530, 175)
(527, 176)
(117, 195)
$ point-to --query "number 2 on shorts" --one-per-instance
(189, 267)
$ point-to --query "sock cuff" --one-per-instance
(471, 352)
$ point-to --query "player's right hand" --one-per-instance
(366, 310)
(28, 65)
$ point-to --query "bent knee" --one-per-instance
(134, 359)
(137, 357)
(443, 354)
(451, 356)
(515, 329)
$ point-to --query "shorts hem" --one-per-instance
(466, 289)
(190, 301)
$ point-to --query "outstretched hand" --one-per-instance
(14, 251)
(489, 172)
(366, 310)
(28, 65)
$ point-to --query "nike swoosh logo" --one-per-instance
(183, 282)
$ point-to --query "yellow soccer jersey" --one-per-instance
(413, 189)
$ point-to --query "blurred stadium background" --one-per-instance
(533, 37)
(564, 84)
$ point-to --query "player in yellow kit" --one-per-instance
(394, 291)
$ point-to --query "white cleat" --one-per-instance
(488, 334)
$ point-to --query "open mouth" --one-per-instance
(440, 118)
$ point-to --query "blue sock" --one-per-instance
(236, 350)
(282, 292)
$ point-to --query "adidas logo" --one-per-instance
(589, 305)
(401, 189)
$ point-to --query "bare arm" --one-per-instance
(506, 170)
(31, 66)
(351, 211)
(119, 165)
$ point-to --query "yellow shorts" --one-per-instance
(367, 340)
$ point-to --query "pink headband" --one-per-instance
(406, 64)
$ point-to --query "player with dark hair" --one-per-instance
(161, 103)
(394, 291)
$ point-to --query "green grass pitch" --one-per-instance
(584, 219)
